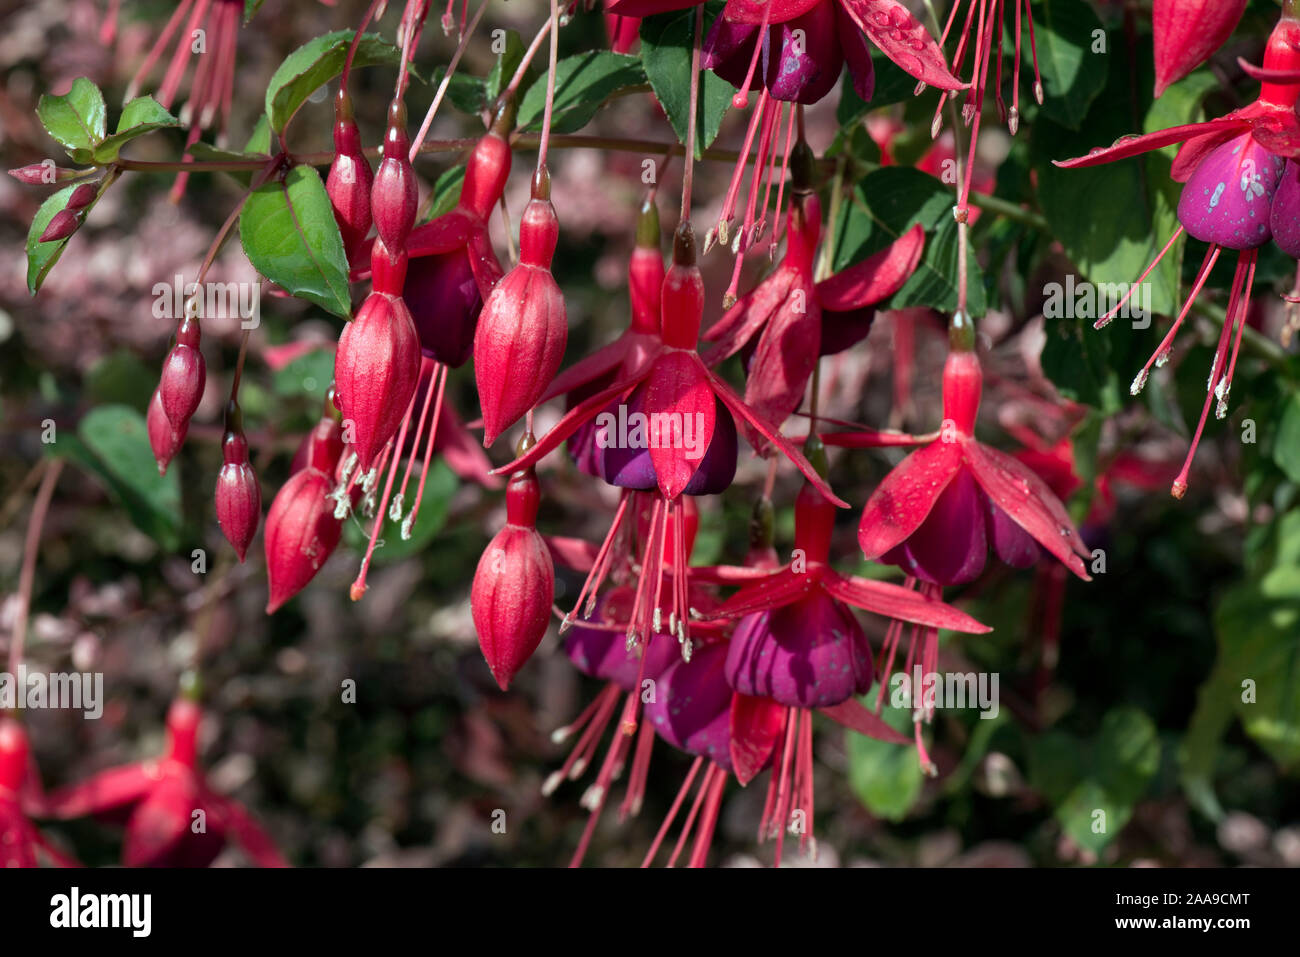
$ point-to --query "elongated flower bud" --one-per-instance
(82, 196)
(376, 370)
(163, 439)
(514, 585)
(63, 225)
(239, 496)
(523, 330)
(42, 174)
(184, 374)
(350, 178)
(395, 195)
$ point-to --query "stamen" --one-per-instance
(1105, 320)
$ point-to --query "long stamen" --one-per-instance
(719, 233)
(1033, 51)
(408, 523)
(1161, 355)
(159, 47)
(709, 773)
(1105, 320)
(381, 511)
(672, 812)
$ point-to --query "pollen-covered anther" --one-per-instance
(1139, 382)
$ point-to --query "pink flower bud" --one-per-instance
(41, 174)
(239, 497)
(163, 439)
(514, 585)
(301, 533)
(350, 179)
(395, 195)
(183, 375)
(81, 196)
(376, 370)
(523, 329)
(63, 225)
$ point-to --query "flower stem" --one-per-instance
(28, 574)
(446, 81)
(549, 112)
(688, 176)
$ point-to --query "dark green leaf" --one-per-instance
(290, 236)
(41, 257)
(314, 64)
(886, 777)
(445, 193)
(1072, 73)
(112, 443)
(666, 44)
(582, 85)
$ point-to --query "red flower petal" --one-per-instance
(897, 602)
(678, 404)
(247, 833)
(1187, 32)
(751, 11)
(876, 277)
(1134, 145)
(107, 791)
(857, 718)
(575, 553)
(783, 587)
(902, 501)
(901, 37)
(742, 321)
(1029, 502)
(756, 725)
(783, 362)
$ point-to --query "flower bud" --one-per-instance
(350, 179)
(183, 375)
(376, 370)
(239, 496)
(395, 195)
(63, 225)
(42, 174)
(514, 585)
(82, 196)
(163, 439)
(301, 534)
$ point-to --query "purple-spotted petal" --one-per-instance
(1227, 198)
(802, 59)
(1284, 214)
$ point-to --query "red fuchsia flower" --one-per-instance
(514, 584)
(1187, 32)
(21, 842)
(1235, 169)
(521, 335)
(795, 320)
(238, 496)
(675, 391)
(350, 179)
(172, 817)
(943, 507)
(301, 528)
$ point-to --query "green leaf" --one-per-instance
(290, 236)
(1072, 74)
(445, 193)
(41, 257)
(77, 119)
(507, 62)
(142, 115)
(466, 93)
(439, 488)
(309, 374)
(112, 443)
(667, 40)
(886, 777)
(314, 64)
(582, 85)
(1095, 784)
(887, 203)
(1286, 448)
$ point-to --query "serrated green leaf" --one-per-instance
(142, 115)
(290, 236)
(582, 85)
(112, 443)
(667, 40)
(314, 64)
(78, 119)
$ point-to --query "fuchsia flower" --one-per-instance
(21, 842)
(514, 584)
(1187, 32)
(943, 507)
(1241, 180)
(350, 178)
(795, 320)
(172, 817)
